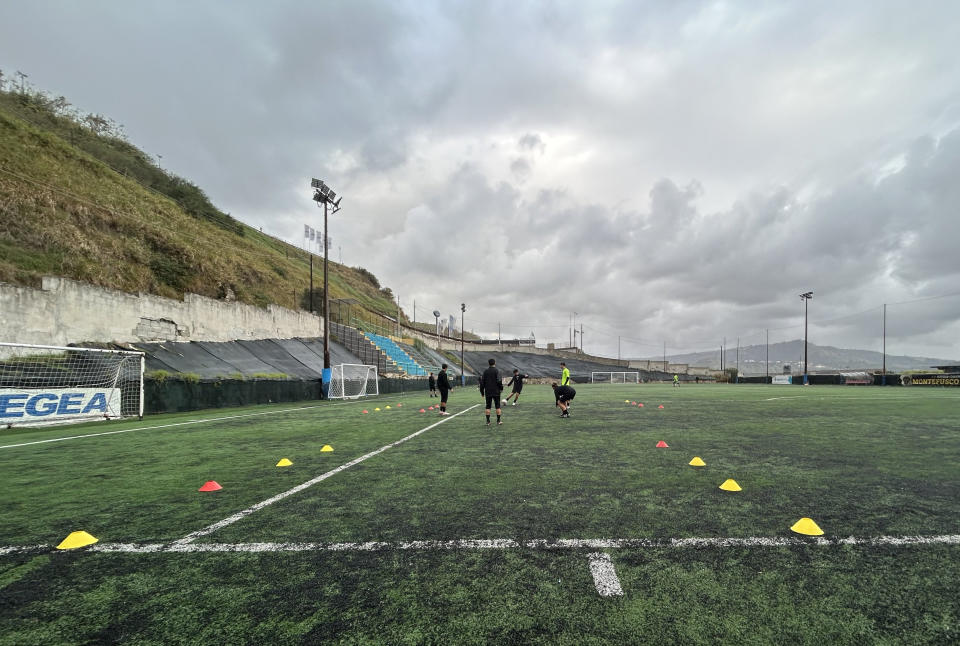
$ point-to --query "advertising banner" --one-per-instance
(31, 405)
(951, 379)
(783, 380)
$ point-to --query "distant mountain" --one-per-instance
(819, 358)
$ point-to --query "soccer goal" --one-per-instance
(351, 380)
(615, 377)
(41, 384)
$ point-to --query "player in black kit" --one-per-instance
(517, 382)
(564, 394)
(490, 387)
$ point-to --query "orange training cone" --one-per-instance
(662, 445)
(422, 410)
(633, 403)
(365, 411)
(640, 405)
(210, 485)
(431, 408)
(660, 406)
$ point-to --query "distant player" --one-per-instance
(491, 387)
(443, 385)
(433, 385)
(563, 394)
(676, 381)
(564, 374)
(517, 382)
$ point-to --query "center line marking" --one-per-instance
(604, 575)
(189, 538)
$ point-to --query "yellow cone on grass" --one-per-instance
(75, 540)
(284, 463)
(697, 462)
(376, 409)
(387, 407)
(730, 485)
(326, 448)
(807, 527)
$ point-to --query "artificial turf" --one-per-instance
(861, 462)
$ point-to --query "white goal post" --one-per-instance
(48, 384)
(615, 377)
(352, 380)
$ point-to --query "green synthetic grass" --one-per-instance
(860, 461)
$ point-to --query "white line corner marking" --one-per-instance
(189, 538)
(604, 576)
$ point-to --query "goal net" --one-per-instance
(54, 385)
(351, 380)
(614, 377)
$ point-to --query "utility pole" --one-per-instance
(806, 296)
(581, 338)
(311, 284)
(463, 377)
(323, 193)
(768, 352)
(618, 349)
(665, 356)
(398, 316)
(884, 379)
(738, 360)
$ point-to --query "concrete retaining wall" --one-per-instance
(65, 311)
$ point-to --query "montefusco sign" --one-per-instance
(951, 379)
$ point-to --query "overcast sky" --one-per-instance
(673, 171)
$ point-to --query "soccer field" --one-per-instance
(418, 529)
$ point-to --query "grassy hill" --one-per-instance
(77, 200)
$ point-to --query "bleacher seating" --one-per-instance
(361, 346)
(396, 354)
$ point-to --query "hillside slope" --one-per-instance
(63, 212)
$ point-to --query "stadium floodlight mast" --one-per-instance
(463, 376)
(806, 296)
(322, 194)
(436, 316)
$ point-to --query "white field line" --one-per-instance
(189, 422)
(503, 544)
(189, 538)
(792, 397)
(604, 575)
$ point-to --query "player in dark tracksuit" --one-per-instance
(443, 385)
(517, 382)
(432, 382)
(490, 387)
(564, 394)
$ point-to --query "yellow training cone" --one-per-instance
(730, 485)
(376, 409)
(284, 463)
(75, 540)
(807, 527)
(697, 462)
(326, 448)
(387, 407)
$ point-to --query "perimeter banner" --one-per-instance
(951, 379)
(25, 405)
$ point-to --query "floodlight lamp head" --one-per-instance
(806, 295)
(436, 313)
(463, 307)
(315, 183)
(337, 203)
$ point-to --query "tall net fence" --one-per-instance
(55, 385)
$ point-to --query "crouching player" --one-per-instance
(564, 394)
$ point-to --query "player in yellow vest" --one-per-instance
(565, 375)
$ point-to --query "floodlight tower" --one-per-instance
(323, 194)
(806, 296)
(436, 316)
(463, 377)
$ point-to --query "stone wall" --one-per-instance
(65, 311)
